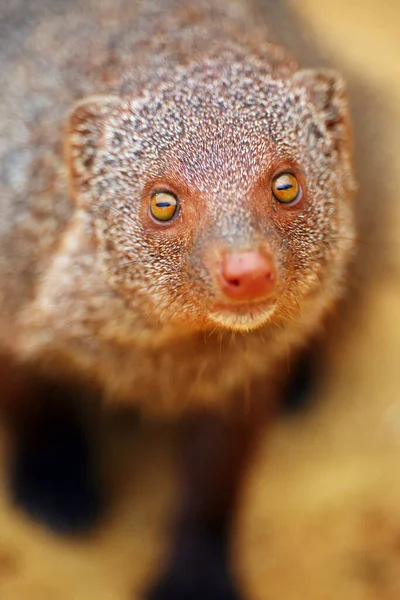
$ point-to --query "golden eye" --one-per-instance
(163, 206)
(285, 187)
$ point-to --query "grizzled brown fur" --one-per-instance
(103, 104)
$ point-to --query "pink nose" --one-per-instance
(247, 276)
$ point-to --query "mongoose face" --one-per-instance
(220, 201)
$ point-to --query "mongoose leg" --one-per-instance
(53, 472)
(217, 450)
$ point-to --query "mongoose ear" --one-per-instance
(327, 90)
(84, 135)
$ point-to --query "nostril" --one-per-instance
(233, 282)
(270, 276)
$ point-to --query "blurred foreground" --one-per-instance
(321, 520)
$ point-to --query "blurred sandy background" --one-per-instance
(321, 517)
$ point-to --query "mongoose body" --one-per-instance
(205, 99)
(176, 200)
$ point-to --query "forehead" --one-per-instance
(221, 130)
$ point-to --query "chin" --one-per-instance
(242, 318)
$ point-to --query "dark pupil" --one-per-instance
(284, 186)
(163, 204)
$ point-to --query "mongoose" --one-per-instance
(177, 219)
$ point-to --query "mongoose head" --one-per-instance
(221, 197)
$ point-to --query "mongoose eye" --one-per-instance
(163, 206)
(285, 188)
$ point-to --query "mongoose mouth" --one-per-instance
(243, 316)
(245, 283)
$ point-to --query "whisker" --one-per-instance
(212, 331)
(247, 380)
(261, 336)
(220, 346)
(356, 240)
